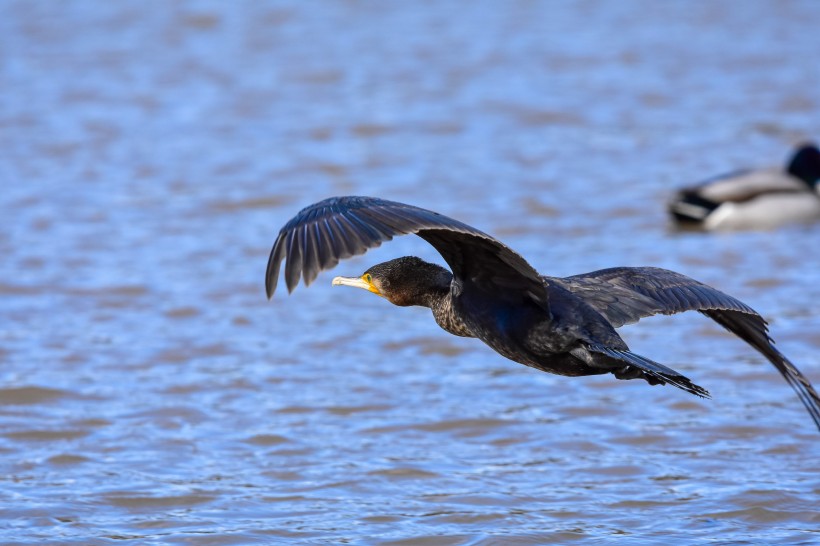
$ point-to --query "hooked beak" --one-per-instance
(356, 282)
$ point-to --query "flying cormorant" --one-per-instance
(564, 326)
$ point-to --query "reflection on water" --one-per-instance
(150, 154)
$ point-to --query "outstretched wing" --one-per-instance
(626, 294)
(340, 227)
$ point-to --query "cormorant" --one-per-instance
(564, 326)
(754, 199)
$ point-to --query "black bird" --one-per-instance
(564, 326)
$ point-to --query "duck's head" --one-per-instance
(805, 165)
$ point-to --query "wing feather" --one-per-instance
(626, 294)
(292, 271)
(340, 227)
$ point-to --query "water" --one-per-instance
(151, 151)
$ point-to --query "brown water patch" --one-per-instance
(670, 478)
(283, 475)
(403, 473)
(646, 439)
(350, 410)
(293, 452)
(762, 514)
(270, 202)
(31, 395)
(173, 417)
(688, 405)
(21, 289)
(200, 21)
(748, 432)
(93, 422)
(127, 290)
(532, 116)
(473, 425)
(68, 459)
(296, 410)
(472, 500)
(442, 347)
(443, 127)
(578, 446)
(371, 129)
(534, 207)
(288, 498)
(765, 282)
(462, 427)
(624, 212)
(511, 440)
(784, 449)
(640, 505)
(46, 435)
(266, 440)
(381, 519)
(451, 540)
(470, 518)
(126, 500)
(182, 312)
(617, 470)
(799, 103)
(585, 411)
(190, 352)
(428, 345)
(241, 320)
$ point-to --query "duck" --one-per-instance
(754, 199)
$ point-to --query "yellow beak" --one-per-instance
(356, 282)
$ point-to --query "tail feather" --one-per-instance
(651, 369)
(752, 329)
(688, 207)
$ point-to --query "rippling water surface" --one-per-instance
(150, 153)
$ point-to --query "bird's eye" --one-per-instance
(368, 278)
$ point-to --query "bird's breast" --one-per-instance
(521, 332)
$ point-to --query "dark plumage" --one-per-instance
(564, 326)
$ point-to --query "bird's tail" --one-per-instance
(753, 331)
(653, 372)
(688, 208)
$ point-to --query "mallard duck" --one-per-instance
(754, 199)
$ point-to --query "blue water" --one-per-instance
(152, 150)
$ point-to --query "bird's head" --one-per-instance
(403, 281)
(805, 165)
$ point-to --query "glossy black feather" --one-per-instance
(624, 295)
(349, 226)
(659, 372)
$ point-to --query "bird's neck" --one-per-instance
(448, 319)
(434, 291)
(440, 301)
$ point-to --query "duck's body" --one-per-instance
(564, 326)
(754, 199)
